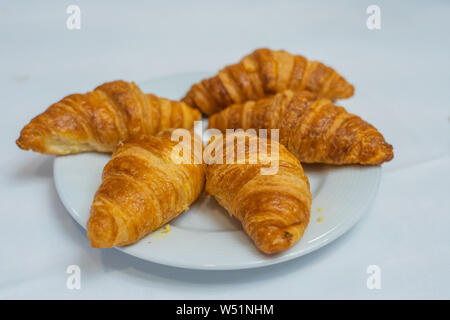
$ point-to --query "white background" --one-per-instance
(404, 68)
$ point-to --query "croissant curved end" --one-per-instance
(22, 144)
(101, 228)
(42, 142)
(341, 89)
(273, 239)
(388, 152)
(349, 92)
(376, 152)
(29, 140)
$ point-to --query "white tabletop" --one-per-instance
(403, 67)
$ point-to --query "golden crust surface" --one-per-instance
(100, 119)
(142, 189)
(265, 72)
(312, 128)
(274, 209)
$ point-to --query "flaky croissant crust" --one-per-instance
(142, 189)
(312, 128)
(100, 119)
(274, 209)
(265, 72)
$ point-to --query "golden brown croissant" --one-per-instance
(100, 119)
(274, 209)
(266, 72)
(142, 189)
(312, 128)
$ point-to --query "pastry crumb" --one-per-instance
(166, 229)
(319, 210)
(162, 232)
(320, 219)
(149, 242)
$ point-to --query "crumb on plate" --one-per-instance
(166, 229)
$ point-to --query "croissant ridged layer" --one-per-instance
(312, 128)
(274, 209)
(265, 72)
(142, 189)
(100, 119)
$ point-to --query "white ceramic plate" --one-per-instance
(206, 237)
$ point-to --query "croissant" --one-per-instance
(142, 189)
(98, 120)
(266, 72)
(312, 128)
(274, 209)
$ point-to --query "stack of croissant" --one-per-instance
(142, 186)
